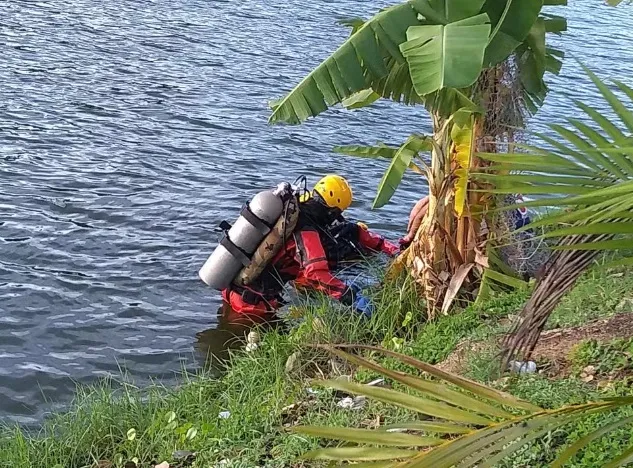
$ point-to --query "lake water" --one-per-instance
(130, 128)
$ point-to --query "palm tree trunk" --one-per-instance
(559, 274)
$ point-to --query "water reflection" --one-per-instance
(215, 344)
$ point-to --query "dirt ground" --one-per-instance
(552, 352)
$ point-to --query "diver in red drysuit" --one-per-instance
(321, 240)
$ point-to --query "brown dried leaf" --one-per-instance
(481, 259)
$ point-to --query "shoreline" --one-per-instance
(240, 419)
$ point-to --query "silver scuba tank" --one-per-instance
(238, 245)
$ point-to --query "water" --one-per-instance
(131, 128)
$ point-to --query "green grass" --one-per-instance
(551, 394)
(119, 422)
(607, 357)
(599, 293)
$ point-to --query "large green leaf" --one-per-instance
(380, 151)
(359, 151)
(360, 99)
(366, 436)
(399, 164)
(554, 60)
(360, 454)
(513, 20)
(554, 23)
(428, 426)
(361, 62)
(430, 388)
(446, 56)
(456, 10)
(477, 389)
(424, 406)
(447, 101)
(536, 42)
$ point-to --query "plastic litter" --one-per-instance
(253, 337)
(224, 414)
(352, 403)
(522, 367)
(250, 347)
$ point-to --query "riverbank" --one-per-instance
(239, 420)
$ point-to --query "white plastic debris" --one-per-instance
(522, 367)
(253, 338)
(250, 347)
(376, 382)
(293, 362)
(224, 414)
(352, 403)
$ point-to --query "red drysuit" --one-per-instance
(306, 261)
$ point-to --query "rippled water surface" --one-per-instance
(130, 128)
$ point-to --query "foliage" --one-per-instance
(411, 50)
(587, 173)
(427, 52)
(610, 357)
(260, 393)
(464, 422)
(586, 176)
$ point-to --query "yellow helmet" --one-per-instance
(335, 191)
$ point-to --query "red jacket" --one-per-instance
(304, 261)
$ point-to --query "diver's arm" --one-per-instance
(315, 271)
(375, 242)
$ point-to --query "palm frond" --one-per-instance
(585, 174)
(481, 427)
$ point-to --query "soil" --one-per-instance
(553, 349)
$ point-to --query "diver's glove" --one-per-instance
(363, 305)
(404, 244)
(360, 303)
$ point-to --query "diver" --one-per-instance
(320, 239)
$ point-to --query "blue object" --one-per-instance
(520, 216)
(363, 305)
(354, 287)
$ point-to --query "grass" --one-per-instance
(607, 357)
(118, 422)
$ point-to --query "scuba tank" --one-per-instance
(242, 240)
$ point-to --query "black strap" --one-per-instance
(225, 225)
(262, 226)
(314, 260)
(235, 251)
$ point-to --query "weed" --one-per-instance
(610, 357)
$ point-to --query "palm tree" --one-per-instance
(587, 174)
(478, 67)
(463, 423)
